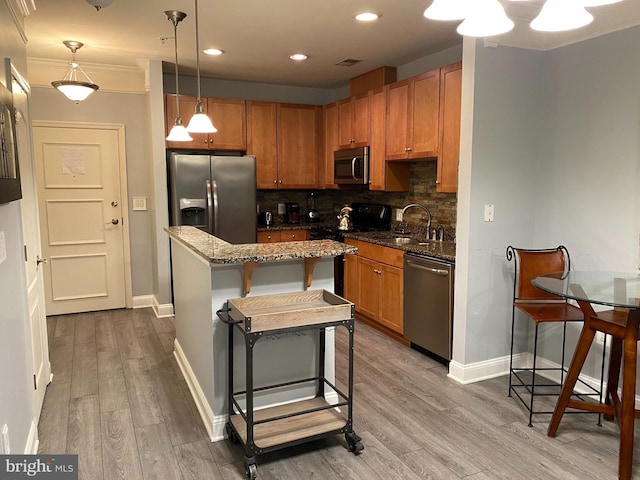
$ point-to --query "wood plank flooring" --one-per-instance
(119, 401)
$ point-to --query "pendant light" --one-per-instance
(485, 18)
(70, 86)
(200, 122)
(561, 15)
(178, 132)
(597, 3)
(447, 10)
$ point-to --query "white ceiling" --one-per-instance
(259, 35)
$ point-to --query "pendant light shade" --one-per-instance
(71, 85)
(447, 10)
(561, 15)
(597, 3)
(485, 18)
(200, 122)
(178, 133)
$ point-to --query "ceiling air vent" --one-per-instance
(348, 62)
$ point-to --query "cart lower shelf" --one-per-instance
(290, 429)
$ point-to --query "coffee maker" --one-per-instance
(292, 212)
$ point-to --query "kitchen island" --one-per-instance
(206, 272)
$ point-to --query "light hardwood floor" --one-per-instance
(119, 401)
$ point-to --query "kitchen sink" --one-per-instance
(408, 241)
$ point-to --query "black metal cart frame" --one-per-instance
(248, 415)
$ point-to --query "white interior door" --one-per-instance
(31, 236)
(81, 216)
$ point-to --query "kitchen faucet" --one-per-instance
(417, 205)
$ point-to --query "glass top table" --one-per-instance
(617, 289)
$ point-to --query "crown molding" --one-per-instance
(110, 78)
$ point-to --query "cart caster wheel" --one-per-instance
(251, 471)
(354, 442)
(231, 434)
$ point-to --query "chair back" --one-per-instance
(531, 263)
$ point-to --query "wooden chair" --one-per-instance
(541, 307)
(623, 326)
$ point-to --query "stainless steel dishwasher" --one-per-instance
(428, 304)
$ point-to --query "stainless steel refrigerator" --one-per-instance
(214, 193)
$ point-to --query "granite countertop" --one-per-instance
(218, 251)
(281, 226)
(441, 250)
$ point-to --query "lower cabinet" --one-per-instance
(283, 236)
(374, 282)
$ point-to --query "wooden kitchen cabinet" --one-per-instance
(383, 175)
(261, 142)
(284, 139)
(283, 236)
(297, 145)
(374, 282)
(413, 107)
(354, 121)
(450, 113)
(227, 115)
(330, 137)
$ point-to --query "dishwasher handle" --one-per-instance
(437, 271)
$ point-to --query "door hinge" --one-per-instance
(35, 384)
(26, 259)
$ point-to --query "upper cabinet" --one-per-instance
(284, 139)
(227, 115)
(449, 145)
(331, 144)
(354, 121)
(413, 107)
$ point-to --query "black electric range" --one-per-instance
(365, 217)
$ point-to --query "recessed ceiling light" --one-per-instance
(298, 57)
(367, 16)
(213, 51)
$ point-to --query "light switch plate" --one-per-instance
(139, 203)
(488, 213)
(3, 248)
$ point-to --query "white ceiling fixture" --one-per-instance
(213, 51)
(298, 57)
(178, 133)
(99, 3)
(73, 88)
(200, 122)
(485, 18)
(367, 16)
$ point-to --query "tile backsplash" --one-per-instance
(329, 202)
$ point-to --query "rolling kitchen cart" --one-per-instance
(265, 430)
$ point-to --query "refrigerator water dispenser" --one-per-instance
(193, 211)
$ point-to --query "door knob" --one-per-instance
(40, 260)
(114, 204)
(114, 221)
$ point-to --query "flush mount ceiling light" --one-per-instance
(70, 86)
(367, 16)
(178, 133)
(561, 15)
(213, 51)
(99, 3)
(485, 18)
(298, 57)
(200, 122)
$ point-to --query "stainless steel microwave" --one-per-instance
(351, 166)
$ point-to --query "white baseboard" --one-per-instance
(214, 426)
(165, 310)
(143, 301)
(31, 447)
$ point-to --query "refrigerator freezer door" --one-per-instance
(233, 188)
(187, 194)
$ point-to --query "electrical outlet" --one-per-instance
(398, 215)
(488, 213)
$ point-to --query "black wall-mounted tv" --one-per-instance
(9, 170)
